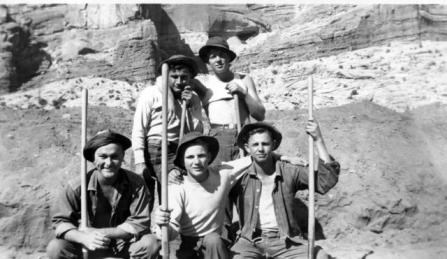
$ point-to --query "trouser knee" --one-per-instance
(61, 249)
(213, 240)
(146, 247)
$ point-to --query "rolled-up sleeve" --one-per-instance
(67, 214)
(325, 177)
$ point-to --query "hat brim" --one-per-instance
(102, 140)
(213, 149)
(189, 62)
(203, 52)
(242, 138)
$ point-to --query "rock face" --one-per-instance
(330, 29)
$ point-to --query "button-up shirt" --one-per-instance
(289, 211)
(129, 206)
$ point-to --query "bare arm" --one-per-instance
(313, 129)
(251, 98)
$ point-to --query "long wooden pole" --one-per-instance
(182, 120)
(238, 119)
(164, 159)
(237, 112)
(311, 225)
(84, 214)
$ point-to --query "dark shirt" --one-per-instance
(129, 207)
(289, 211)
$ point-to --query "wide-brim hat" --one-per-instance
(213, 147)
(183, 60)
(243, 136)
(215, 43)
(104, 138)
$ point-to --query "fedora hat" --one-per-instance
(183, 60)
(215, 43)
(104, 138)
(191, 137)
(243, 136)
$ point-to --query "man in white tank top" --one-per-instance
(216, 91)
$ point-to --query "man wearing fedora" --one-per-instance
(117, 208)
(147, 124)
(268, 210)
(216, 90)
(196, 206)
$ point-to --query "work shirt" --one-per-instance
(288, 211)
(219, 101)
(148, 121)
(130, 205)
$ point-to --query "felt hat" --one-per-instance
(213, 147)
(243, 136)
(183, 60)
(215, 43)
(104, 138)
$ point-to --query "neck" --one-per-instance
(198, 178)
(266, 167)
(225, 76)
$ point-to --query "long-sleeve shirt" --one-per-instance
(129, 207)
(148, 121)
(289, 212)
(198, 208)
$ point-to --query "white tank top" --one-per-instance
(219, 101)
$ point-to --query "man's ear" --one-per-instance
(246, 147)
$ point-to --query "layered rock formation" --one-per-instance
(331, 29)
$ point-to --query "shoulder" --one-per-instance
(288, 167)
(133, 178)
(150, 90)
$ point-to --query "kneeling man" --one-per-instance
(197, 205)
(265, 195)
(117, 208)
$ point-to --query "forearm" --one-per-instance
(255, 108)
(75, 236)
(115, 233)
(322, 150)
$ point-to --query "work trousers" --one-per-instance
(152, 157)
(270, 245)
(147, 247)
(228, 151)
(211, 246)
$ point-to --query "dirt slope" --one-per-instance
(391, 194)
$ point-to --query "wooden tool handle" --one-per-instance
(164, 159)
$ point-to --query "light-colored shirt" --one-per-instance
(198, 208)
(148, 123)
(267, 218)
(219, 101)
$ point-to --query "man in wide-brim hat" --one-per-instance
(147, 124)
(117, 205)
(196, 206)
(269, 212)
(216, 90)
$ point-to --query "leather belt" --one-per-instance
(223, 126)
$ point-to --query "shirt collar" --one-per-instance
(278, 174)
(121, 183)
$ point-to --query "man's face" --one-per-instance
(178, 79)
(196, 160)
(108, 160)
(260, 146)
(219, 60)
